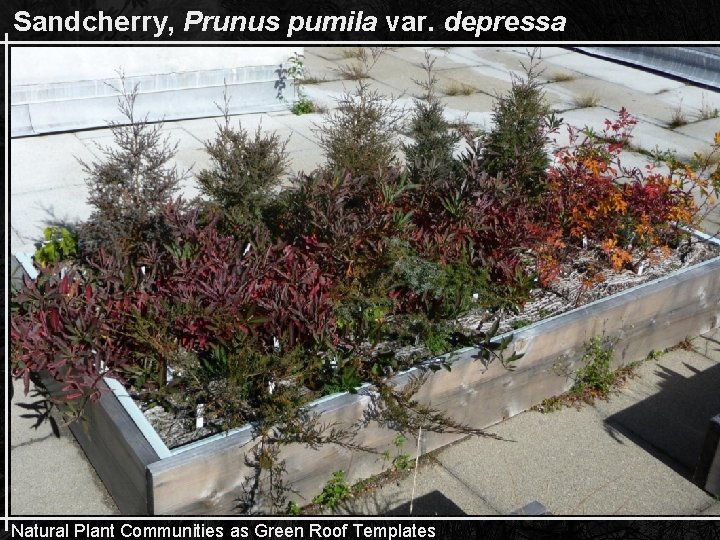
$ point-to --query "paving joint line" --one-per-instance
(465, 484)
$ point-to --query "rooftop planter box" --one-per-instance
(207, 477)
(258, 301)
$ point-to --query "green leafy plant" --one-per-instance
(520, 323)
(293, 509)
(596, 379)
(597, 375)
(302, 104)
(60, 244)
(402, 460)
(334, 492)
(430, 156)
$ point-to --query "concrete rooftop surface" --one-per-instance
(631, 455)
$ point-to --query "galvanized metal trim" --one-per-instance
(697, 64)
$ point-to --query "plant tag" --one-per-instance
(103, 367)
(584, 242)
(476, 297)
(199, 420)
(640, 268)
(276, 344)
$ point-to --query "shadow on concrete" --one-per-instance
(672, 424)
(431, 504)
(39, 408)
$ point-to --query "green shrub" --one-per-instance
(303, 105)
(515, 147)
(132, 184)
(360, 136)
(431, 154)
(244, 169)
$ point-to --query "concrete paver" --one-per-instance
(54, 478)
(708, 345)
(28, 417)
(49, 474)
(646, 135)
(570, 463)
(435, 491)
(704, 130)
(47, 162)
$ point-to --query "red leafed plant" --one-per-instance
(594, 199)
(69, 328)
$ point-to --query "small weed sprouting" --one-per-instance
(707, 111)
(402, 461)
(296, 70)
(520, 323)
(303, 106)
(454, 88)
(685, 345)
(355, 53)
(561, 77)
(595, 380)
(335, 492)
(678, 118)
(364, 59)
(596, 377)
(586, 101)
(657, 155)
(551, 404)
(353, 72)
(293, 509)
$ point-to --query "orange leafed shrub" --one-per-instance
(625, 211)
